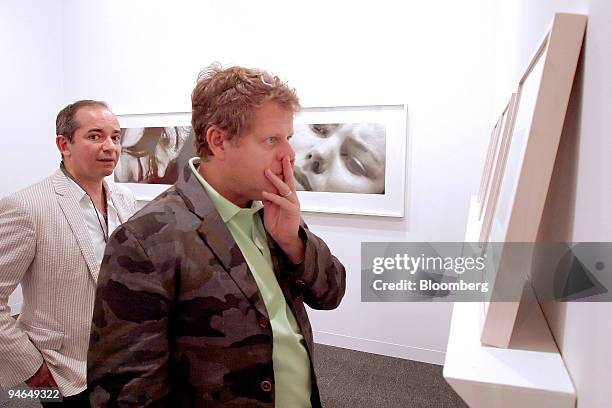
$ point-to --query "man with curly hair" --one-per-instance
(201, 294)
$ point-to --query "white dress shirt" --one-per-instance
(94, 218)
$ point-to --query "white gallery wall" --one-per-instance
(31, 83)
(438, 57)
(578, 209)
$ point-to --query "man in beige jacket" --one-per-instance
(52, 238)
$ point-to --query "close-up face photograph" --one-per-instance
(340, 157)
(150, 154)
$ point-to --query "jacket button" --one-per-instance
(300, 282)
(266, 385)
(263, 322)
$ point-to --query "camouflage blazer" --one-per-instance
(178, 319)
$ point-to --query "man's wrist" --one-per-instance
(295, 250)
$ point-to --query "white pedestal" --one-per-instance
(530, 373)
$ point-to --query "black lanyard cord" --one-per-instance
(105, 216)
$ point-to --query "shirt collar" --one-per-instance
(77, 191)
(79, 194)
(227, 209)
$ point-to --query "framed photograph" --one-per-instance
(497, 167)
(489, 161)
(349, 160)
(155, 148)
(542, 99)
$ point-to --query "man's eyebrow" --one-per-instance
(273, 134)
(116, 130)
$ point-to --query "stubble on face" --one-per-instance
(92, 156)
(261, 147)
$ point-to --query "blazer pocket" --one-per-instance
(44, 339)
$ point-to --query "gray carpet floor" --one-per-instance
(354, 379)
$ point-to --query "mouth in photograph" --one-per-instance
(302, 179)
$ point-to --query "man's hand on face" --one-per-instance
(41, 378)
(282, 213)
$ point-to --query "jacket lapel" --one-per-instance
(74, 215)
(124, 210)
(218, 237)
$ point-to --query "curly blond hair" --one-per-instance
(227, 97)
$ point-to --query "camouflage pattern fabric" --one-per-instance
(178, 319)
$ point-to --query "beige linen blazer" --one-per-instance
(45, 246)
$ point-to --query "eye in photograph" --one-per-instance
(340, 157)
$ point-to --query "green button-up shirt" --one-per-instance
(289, 356)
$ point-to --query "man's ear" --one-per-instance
(215, 137)
(63, 144)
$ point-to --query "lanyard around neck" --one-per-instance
(105, 217)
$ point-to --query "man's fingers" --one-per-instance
(288, 173)
(281, 186)
(280, 201)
